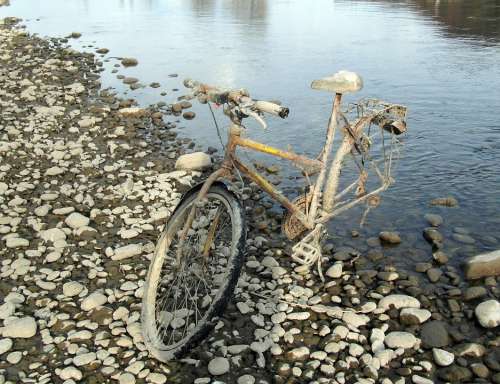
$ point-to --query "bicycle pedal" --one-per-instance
(305, 253)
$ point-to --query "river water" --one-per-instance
(440, 58)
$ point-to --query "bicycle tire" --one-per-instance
(221, 299)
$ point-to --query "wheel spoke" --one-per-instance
(186, 292)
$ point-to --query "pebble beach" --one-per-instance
(88, 180)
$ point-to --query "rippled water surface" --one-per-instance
(440, 58)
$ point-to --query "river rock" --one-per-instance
(16, 242)
(126, 378)
(434, 274)
(94, 300)
(127, 251)
(5, 345)
(23, 328)
(455, 374)
(76, 220)
(443, 358)
(14, 358)
(190, 115)
(433, 236)
(84, 359)
(488, 313)
(416, 379)
(404, 340)
(483, 265)
(218, 366)
(414, 316)
(53, 235)
(246, 379)
(440, 257)
(449, 201)
(129, 62)
(470, 350)
(298, 354)
(156, 378)
(193, 161)
(72, 288)
(398, 301)
(335, 271)
(390, 237)
(433, 219)
(472, 293)
(69, 373)
(434, 334)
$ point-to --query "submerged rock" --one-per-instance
(390, 237)
(483, 265)
(129, 62)
(449, 201)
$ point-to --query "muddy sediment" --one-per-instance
(85, 173)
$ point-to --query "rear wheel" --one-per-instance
(190, 282)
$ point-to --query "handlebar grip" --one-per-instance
(271, 108)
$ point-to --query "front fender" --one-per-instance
(194, 190)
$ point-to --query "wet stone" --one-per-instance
(390, 237)
(189, 115)
(434, 274)
(455, 374)
(433, 219)
(218, 366)
(129, 62)
(434, 334)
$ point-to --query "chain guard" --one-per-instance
(291, 226)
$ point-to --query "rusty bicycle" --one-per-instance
(201, 251)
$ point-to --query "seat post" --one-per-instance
(330, 134)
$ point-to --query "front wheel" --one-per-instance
(190, 282)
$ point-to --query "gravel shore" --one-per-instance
(87, 181)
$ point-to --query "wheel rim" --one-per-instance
(182, 296)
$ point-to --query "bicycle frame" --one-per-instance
(325, 186)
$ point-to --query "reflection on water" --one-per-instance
(428, 55)
(463, 18)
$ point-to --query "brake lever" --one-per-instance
(255, 115)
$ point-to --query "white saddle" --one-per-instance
(341, 82)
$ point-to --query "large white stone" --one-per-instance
(126, 378)
(421, 315)
(72, 288)
(5, 345)
(218, 366)
(77, 220)
(7, 309)
(335, 271)
(193, 161)
(17, 242)
(53, 234)
(400, 340)
(70, 373)
(84, 359)
(398, 301)
(442, 358)
(127, 251)
(488, 313)
(93, 300)
(24, 328)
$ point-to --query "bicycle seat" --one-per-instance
(341, 82)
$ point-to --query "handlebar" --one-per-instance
(240, 98)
